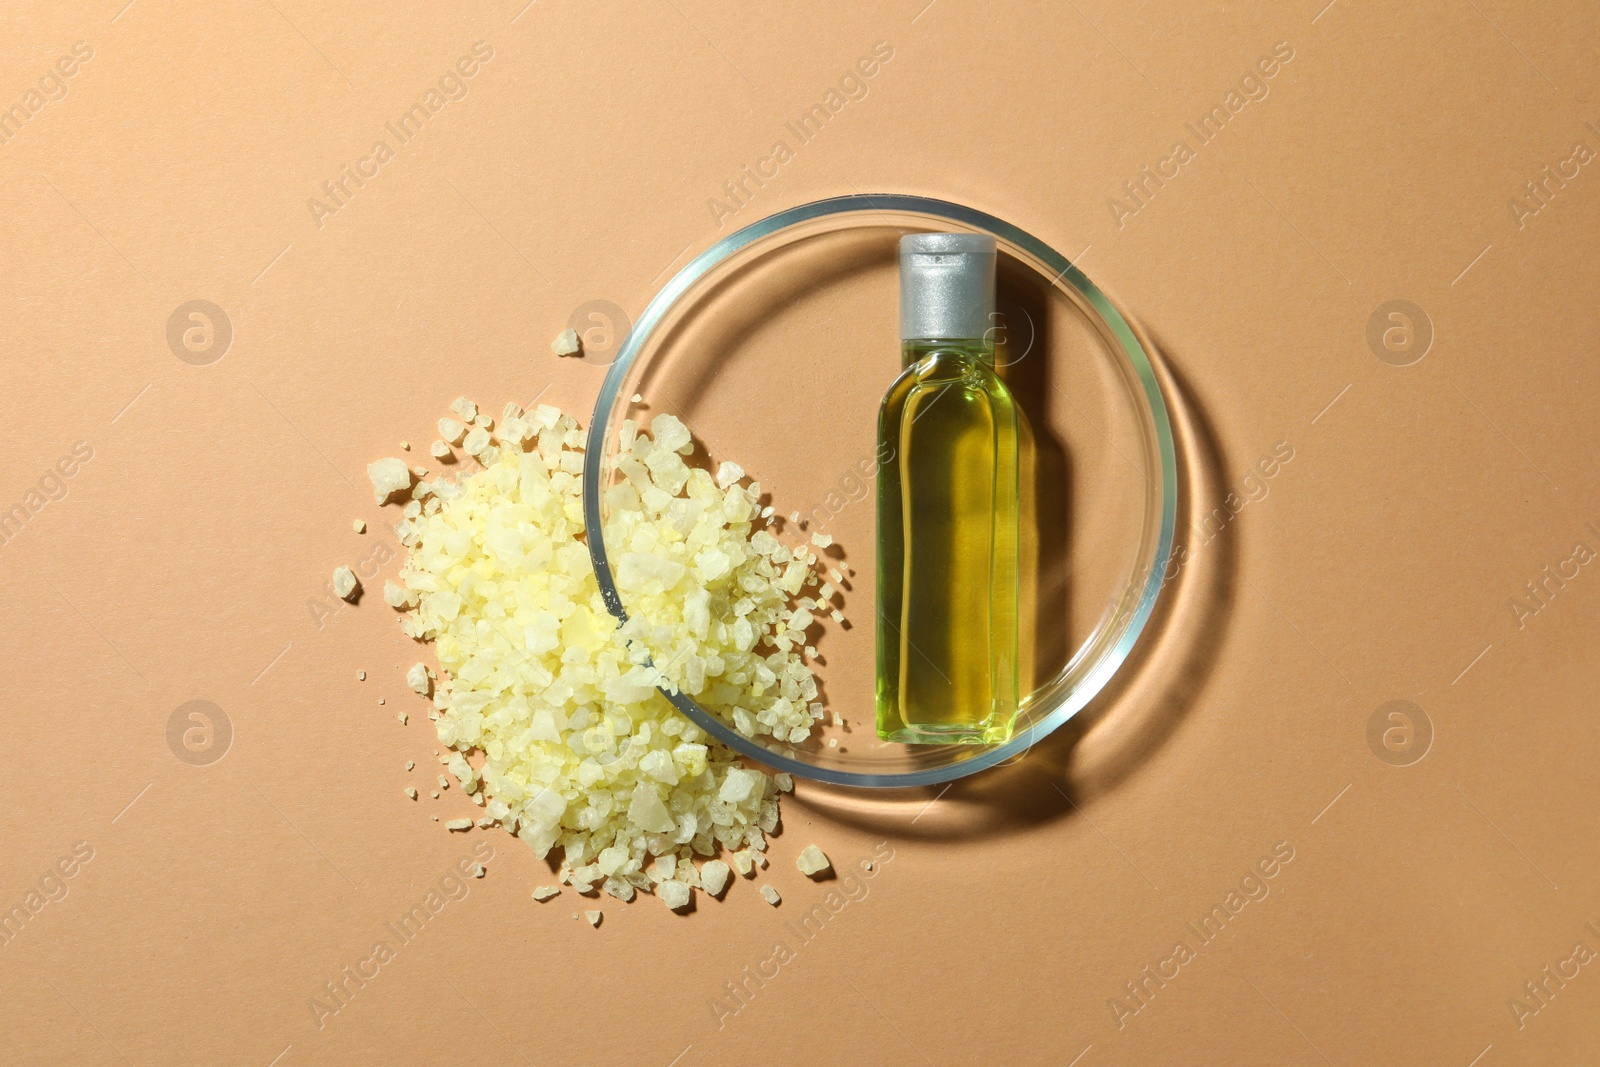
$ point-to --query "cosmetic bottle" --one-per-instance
(948, 508)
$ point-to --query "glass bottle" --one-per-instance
(948, 508)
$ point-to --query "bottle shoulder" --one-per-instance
(981, 394)
(943, 369)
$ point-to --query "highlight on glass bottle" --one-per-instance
(948, 508)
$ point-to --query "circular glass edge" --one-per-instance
(699, 267)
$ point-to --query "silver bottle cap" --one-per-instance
(946, 285)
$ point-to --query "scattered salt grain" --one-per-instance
(389, 477)
(592, 916)
(459, 825)
(770, 895)
(359, 526)
(439, 450)
(451, 431)
(345, 583)
(542, 893)
(566, 342)
(812, 861)
(478, 870)
(417, 679)
(411, 791)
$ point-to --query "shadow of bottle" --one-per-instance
(1022, 328)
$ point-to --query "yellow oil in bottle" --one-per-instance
(948, 546)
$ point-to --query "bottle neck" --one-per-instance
(974, 350)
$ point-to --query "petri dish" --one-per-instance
(775, 346)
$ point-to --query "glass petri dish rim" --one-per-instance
(1065, 704)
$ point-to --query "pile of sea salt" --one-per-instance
(573, 747)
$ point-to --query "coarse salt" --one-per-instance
(714, 875)
(345, 583)
(674, 894)
(812, 861)
(389, 477)
(581, 751)
(417, 678)
(566, 343)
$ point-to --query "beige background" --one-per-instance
(184, 559)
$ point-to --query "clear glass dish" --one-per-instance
(775, 346)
